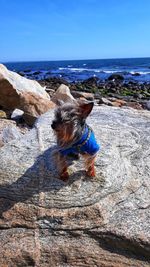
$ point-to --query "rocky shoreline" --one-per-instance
(114, 91)
(23, 100)
(135, 94)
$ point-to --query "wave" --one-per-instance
(85, 71)
(78, 69)
(123, 72)
(139, 72)
(88, 70)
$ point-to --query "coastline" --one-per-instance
(132, 94)
(125, 79)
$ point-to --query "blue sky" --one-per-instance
(33, 30)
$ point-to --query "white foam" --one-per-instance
(80, 69)
(109, 71)
(103, 71)
(140, 72)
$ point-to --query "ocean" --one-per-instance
(133, 69)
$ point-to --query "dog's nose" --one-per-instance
(53, 125)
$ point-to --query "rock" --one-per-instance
(12, 85)
(115, 76)
(10, 133)
(132, 83)
(63, 94)
(91, 82)
(112, 90)
(118, 103)
(136, 74)
(27, 70)
(17, 114)
(3, 114)
(21, 73)
(33, 106)
(36, 72)
(147, 104)
(53, 82)
(4, 123)
(105, 101)
(87, 96)
(134, 105)
(50, 91)
(138, 95)
(9, 130)
(126, 98)
(45, 222)
(97, 96)
(17, 91)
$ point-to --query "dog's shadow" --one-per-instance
(42, 176)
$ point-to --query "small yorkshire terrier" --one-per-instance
(74, 136)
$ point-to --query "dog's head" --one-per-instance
(69, 120)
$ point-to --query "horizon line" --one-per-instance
(3, 62)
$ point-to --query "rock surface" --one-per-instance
(19, 92)
(84, 222)
(3, 114)
(87, 96)
(63, 94)
(148, 104)
(33, 106)
(17, 114)
(10, 133)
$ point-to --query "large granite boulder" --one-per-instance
(19, 92)
(103, 221)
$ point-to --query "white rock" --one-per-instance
(63, 94)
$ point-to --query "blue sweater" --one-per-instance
(87, 144)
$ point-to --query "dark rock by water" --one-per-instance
(53, 82)
(136, 74)
(91, 82)
(116, 76)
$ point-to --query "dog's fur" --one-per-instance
(68, 127)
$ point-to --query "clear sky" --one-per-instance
(32, 30)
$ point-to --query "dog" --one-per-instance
(74, 137)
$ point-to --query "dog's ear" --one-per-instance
(85, 108)
(59, 102)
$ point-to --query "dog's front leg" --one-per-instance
(62, 167)
(89, 165)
